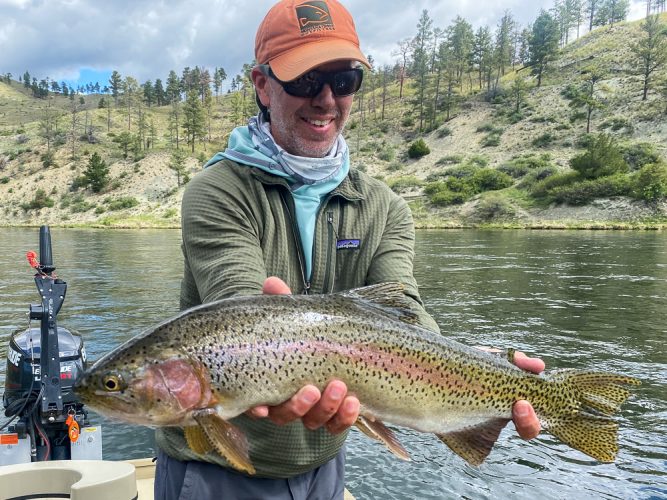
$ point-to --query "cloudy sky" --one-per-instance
(84, 40)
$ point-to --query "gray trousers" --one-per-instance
(176, 480)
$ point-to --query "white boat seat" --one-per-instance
(75, 479)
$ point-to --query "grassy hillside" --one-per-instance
(458, 183)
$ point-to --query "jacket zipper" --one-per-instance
(331, 232)
(297, 242)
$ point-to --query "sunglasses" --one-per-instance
(343, 83)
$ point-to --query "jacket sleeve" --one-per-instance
(393, 259)
(221, 243)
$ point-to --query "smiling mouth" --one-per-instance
(318, 123)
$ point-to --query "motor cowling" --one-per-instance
(23, 378)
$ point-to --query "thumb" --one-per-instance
(275, 286)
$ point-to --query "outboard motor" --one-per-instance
(43, 363)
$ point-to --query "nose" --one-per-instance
(325, 98)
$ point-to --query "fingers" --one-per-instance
(525, 420)
(347, 415)
(334, 408)
(534, 365)
(275, 286)
(295, 407)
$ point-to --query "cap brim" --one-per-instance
(302, 59)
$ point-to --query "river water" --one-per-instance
(577, 299)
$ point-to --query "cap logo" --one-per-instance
(314, 16)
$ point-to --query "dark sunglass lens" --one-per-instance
(308, 85)
(347, 82)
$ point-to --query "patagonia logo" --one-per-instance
(314, 16)
(348, 244)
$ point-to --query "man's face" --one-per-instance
(304, 126)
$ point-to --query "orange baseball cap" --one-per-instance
(298, 35)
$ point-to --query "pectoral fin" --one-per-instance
(227, 439)
(474, 443)
(197, 439)
(375, 429)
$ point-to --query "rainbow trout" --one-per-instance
(214, 362)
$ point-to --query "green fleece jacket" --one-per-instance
(239, 228)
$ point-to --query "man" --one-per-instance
(282, 201)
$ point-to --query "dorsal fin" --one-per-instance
(389, 297)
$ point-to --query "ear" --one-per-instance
(261, 83)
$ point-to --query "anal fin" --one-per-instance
(197, 439)
(378, 431)
(474, 443)
(227, 439)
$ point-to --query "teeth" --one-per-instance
(319, 123)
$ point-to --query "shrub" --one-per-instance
(450, 160)
(459, 185)
(494, 207)
(586, 191)
(602, 158)
(48, 159)
(4, 180)
(81, 206)
(542, 188)
(490, 179)
(40, 200)
(408, 121)
(463, 171)
(617, 123)
(446, 197)
(387, 154)
(122, 203)
(418, 149)
(514, 171)
(651, 182)
(434, 187)
(486, 127)
(406, 182)
(544, 140)
(444, 132)
(639, 154)
(533, 161)
(477, 161)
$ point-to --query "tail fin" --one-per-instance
(589, 428)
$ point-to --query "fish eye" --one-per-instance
(112, 382)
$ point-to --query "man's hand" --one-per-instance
(334, 408)
(525, 420)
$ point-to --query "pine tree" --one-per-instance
(420, 62)
(543, 43)
(177, 164)
(651, 50)
(158, 90)
(96, 173)
(585, 95)
(193, 118)
(115, 83)
(173, 91)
